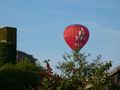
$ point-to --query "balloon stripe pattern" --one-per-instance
(76, 36)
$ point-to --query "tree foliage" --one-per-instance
(20, 76)
(76, 74)
(79, 74)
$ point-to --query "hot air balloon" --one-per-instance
(76, 36)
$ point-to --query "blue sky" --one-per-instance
(40, 25)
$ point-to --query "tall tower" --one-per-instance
(8, 44)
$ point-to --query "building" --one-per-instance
(115, 74)
(8, 38)
(21, 56)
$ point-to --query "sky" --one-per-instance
(40, 25)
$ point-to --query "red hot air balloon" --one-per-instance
(76, 36)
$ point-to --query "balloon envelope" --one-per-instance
(76, 36)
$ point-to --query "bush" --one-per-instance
(20, 76)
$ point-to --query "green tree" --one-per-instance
(49, 80)
(20, 76)
(79, 74)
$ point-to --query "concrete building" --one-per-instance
(21, 56)
(8, 39)
(115, 74)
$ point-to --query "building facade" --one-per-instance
(21, 56)
(115, 74)
(8, 39)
